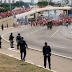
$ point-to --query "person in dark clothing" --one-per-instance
(50, 25)
(18, 38)
(23, 46)
(11, 37)
(2, 27)
(7, 25)
(0, 41)
(66, 23)
(47, 54)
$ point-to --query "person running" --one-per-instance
(18, 38)
(23, 46)
(47, 54)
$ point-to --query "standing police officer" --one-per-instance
(18, 38)
(23, 46)
(47, 54)
(11, 37)
(0, 41)
(2, 27)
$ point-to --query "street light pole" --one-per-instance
(71, 6)
(10, 4)
(48, 2)
(19, 3)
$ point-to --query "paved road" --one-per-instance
(36, 36)
(58, 63)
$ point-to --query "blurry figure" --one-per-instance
(11, 37)
(2, 27)
(18, 38)
(0, 41)
(50, 25)
(7, 25)
(31, 24)
(13, 24)
(66, 23)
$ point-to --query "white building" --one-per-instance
(45, 0)
(32, 1)
(66, 2)
(7, 1)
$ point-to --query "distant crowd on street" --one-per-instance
(62, 20)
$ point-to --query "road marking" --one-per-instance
(58, 46)
(38, 49)
(55, 33)
(13, 50)
(34, 31)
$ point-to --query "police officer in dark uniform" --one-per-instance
(11, 37)
(2, 27)
(0, 41)
(18, 38)
(23, 46)
(47, 54)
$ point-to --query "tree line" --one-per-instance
(6, 6)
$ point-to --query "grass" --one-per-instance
(8, 64)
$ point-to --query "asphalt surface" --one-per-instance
(36, 36)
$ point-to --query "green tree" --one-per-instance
(44, 3)
(6, 6)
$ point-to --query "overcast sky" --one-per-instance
(35, 1)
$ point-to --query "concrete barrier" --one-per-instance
(9, 20)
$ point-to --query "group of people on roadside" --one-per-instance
(22, 45)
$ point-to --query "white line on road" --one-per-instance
(58, 46)
(55, 33)
(34, 31)
(38, 49)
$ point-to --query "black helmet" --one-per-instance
(11, 33)
(45, 42)
(18, 33)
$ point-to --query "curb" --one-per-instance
(36, 49)
(29, 48)
(27, 62)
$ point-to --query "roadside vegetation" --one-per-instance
(8, 64)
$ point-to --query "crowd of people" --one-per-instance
(62, 20)
(14, 12)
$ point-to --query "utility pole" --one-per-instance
(48, 2)
(71, 6)
(10, 4)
